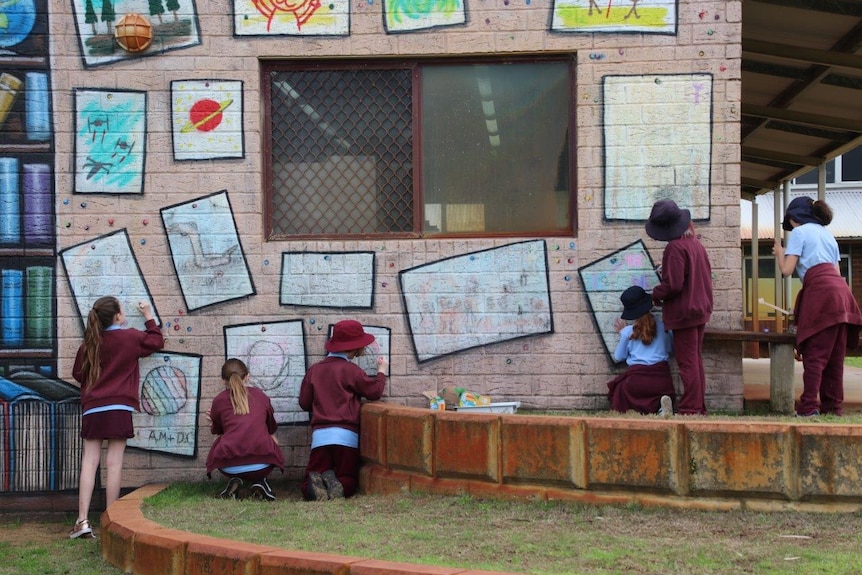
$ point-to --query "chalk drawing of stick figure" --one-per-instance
(633, 10)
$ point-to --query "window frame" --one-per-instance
(415, 65)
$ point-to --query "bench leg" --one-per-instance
(781, 378)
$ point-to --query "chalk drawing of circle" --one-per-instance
(205, 115)
(268, 364)
(164, 391)
(17, 18)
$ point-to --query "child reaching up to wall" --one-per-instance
(246, 449)
(106, 366)
(647, 385)
(332, 391)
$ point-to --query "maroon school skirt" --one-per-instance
(114, 424)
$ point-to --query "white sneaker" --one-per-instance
(666, 409)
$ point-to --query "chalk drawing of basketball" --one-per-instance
(164, 391)
(268, 364)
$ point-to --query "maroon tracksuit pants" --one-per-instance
(823, 371)
(688, 347)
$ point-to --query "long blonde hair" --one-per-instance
(233, 374)
(100, 317)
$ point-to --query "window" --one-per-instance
(424, 148)
(810, 177)
(851, 166)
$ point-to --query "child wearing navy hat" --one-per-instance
(647, 385)
(685, 294)
(332, 391)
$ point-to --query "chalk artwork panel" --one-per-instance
(174, 26)
(407, 16)
(614, 16)
(105, 266)
(477, 299)
(657, 143)
(206, 118)
(328, 279)
(606, 279)
(170, 399)
(280, 18)
(206, 251)
(110, 141)
(274, 353)
(378, 348)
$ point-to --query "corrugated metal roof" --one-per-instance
(846, 207)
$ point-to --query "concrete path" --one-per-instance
(755, 375)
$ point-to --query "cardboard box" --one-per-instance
(503, 407)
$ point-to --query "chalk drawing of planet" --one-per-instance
(16, 21)
(164, 391)
(205, 115)
(268, 364)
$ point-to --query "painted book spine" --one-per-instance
(38, 212)
(12, 307)
(10, 202)
(37, 121)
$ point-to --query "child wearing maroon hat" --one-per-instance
(685, 294)
(331, 391)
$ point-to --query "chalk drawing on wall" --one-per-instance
(657, 143)
(274, 353)
(291, 18)
(410, 15)
(206, 119)
(110, 141)
(174, 26)
(170, 400)
(642, 16)
(607, 278)
(378, 348)
(106, 266)
(206, 251)
(327, 279)
(478, 298)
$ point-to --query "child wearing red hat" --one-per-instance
(332, 391)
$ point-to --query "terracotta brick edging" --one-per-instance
(137, 545)
(678, 462)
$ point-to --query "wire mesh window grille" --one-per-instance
(417, 149)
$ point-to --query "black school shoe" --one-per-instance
(232, 489)
(261, 490)
(334, 488)
(316, 488)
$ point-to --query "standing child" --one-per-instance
(828, 318)
(332, 391)
(244, 421)
(106, 366)
(647, 385)
(685, 294)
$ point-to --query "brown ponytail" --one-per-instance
(233, 373)
(100, 317)
(644, 328)
(821, 210)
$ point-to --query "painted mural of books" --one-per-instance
(40, 421)
(26, 196)
(27, 307)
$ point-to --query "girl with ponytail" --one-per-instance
(245, 449)
(106, 366)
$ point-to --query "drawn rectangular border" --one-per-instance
(328, 256)
(544, 321)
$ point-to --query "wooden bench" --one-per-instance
(780, 362)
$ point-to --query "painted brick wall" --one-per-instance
(564, 370)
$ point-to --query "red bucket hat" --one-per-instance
(348, 335)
